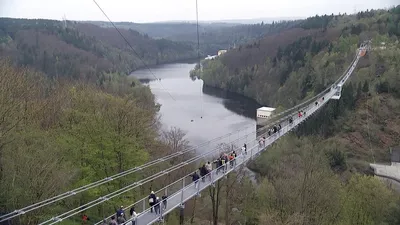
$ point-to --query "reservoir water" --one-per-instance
(204, 113)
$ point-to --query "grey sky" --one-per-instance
(162, 10)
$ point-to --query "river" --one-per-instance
(204, 113)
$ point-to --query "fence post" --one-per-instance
(183, 186)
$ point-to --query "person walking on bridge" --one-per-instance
(157, 205)
(120, 212)
(195, 179)
(244, 149)
(203, 172)
(113, 221)
(133, 215)
(209, 169)
(152, 200)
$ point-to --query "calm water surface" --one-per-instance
(204, 113)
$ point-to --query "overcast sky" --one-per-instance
(166, 10)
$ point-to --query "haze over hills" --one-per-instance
(237, 21)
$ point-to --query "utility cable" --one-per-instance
(198, 57)
(127, 42)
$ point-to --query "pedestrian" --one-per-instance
(152, 200)
(113, 221)
(244, 149)
(203, 172)
(133, 215)
(157, 205)
(225, 162)
(164, 201)
(121, 219)
(121, 212)
(85, 219)
(209, 169)
(231, 158)
(195, 179)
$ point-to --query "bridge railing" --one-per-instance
(278, 117)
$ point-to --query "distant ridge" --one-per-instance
(237, 21)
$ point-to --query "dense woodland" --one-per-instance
(81, 50)
(319, 174)
(212, 36)
(70, 116)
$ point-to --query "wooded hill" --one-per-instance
(284, 68)
(320, 173)
(213, 36)
(82, 50)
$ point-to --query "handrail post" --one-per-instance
(144, 205)
(161, 205)
(183, 186)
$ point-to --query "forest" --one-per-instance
(212, 36)
(81, 50)
(320, 174)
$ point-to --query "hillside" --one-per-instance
(82, 50)
(311, 55)
(320, 173)
(213, 36)
(283, 69)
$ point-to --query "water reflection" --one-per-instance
(234, 102)
(203, 112)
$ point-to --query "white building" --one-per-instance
(220, 52)
(264, 112)
(211, 57)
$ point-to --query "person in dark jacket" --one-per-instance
(164, 201)
(195, 179)
(152, 200)
(218, 164)
(121, 212)
(203, 172)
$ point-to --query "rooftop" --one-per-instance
(266, 109)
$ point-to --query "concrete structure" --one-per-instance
(395, 156)
(220, 52)
(264, 112)
(390, 174)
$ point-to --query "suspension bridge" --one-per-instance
(184, 189)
